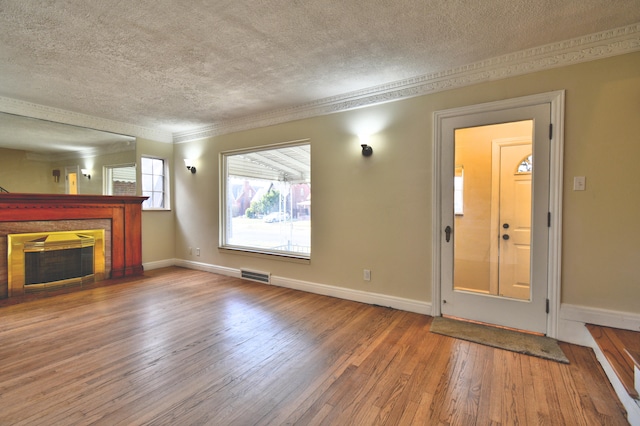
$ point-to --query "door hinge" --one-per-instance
(547, 306)
(551, 131)
(548, 219)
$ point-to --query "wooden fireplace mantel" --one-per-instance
(125, 213)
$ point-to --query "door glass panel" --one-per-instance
(492, 232)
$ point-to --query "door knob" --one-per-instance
(505, 225)
(447, 232)
(505, 237)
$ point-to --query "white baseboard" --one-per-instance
(573, 332)
(400, 303)
(207, 267)
(604, 317)
(572, 319)
(148, 266)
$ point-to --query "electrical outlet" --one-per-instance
(197, 252)
(367, 275)
(579, 183)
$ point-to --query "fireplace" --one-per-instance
(46, 260)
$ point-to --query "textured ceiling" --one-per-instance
(178, 65)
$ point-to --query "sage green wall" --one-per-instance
(369, 213)
(19, 174)
(158, 226)
(375, 212)
(601, 252)
(95, 165)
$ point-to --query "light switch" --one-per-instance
(579, 183)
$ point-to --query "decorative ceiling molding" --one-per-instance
(28, 109)
(583, 49)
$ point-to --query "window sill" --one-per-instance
(284, 257)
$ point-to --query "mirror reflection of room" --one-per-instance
(45, 157)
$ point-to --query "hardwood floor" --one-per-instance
(188, 347)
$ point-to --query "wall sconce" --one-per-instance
(56, 175)
(189, 164)
(86, 173)
(366, 149)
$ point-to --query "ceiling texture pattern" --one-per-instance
(180, 66)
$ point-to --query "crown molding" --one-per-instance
(600, 45)
(28, 109)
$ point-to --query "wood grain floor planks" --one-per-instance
(179, 346)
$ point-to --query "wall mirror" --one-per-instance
(40, 156)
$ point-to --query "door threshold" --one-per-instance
(492, 325)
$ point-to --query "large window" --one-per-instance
(266, 200)
(154, 183)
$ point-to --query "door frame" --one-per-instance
(556, 100)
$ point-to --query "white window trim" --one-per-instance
(106, 172)
(222, 204)
(167, 186)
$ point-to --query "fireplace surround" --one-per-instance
(119, 216)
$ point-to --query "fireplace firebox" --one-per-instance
(54, 259)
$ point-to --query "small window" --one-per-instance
(266, 200)
(458, 191)
(526, 165)
(120, 180)
(154, 183)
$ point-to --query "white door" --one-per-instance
(514, 221)
(71, 180)
(468, 262)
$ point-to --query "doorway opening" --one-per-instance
(71, 175)
(497, 228)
